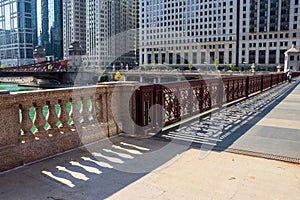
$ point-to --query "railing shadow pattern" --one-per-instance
(219, 129)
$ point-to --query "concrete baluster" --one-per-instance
(76, 113)
(52, 119)
(85, 109)
(93, 110)
(26, 124)
(64, 115)
(40, 119)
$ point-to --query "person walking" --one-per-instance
(289, 74)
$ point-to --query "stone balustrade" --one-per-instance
(38, 124)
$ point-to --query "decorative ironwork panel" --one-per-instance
(254, 84)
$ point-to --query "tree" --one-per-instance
(117, 76)
(3, 66)
(217, 63)
(190, 65)
(153, 64)
(233, 67)
(104, 78)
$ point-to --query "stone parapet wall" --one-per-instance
(38, 124)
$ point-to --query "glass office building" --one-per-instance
(49, 27)
(17, 19)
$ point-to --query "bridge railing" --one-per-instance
(47, 66)
(37, 124)
(183, 99)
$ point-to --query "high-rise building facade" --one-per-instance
(17, 32)
(267, 29)
(74, 23)
(192, 31)
(111, 36)
(50, 27)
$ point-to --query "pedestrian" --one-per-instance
(289, 74)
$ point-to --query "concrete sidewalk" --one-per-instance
(278, 132)
(219, 176)
(124, 168)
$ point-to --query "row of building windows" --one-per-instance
(270, 36)
(193, 47)
(271, 44)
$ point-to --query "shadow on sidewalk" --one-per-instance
(95, 171)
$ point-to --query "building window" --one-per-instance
(292, 58)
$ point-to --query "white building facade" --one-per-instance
(267, 29)
(191, 31)
(74, 23)
(111, 36)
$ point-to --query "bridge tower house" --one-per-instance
(75, 55)
(39, 54)
(292, 59)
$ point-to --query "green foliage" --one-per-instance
(217, 62)
(104, 78)
(117, 76)
(154, 64)
(3, 66)
(146, 67)
(190, 65)
(233, 67)
(171, 68)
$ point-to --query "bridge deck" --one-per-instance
(266, 124)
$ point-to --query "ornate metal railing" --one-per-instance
(180, 100)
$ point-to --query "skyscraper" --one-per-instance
(111, 33)
(192, 31)
(49, 27)
(74, 23)
(17, 20)
(267, 29)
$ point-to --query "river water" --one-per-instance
(14, 87)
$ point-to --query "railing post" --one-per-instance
(262, 83)
(220, 92)
(247, 87)
(85, 110)
(271, 85)
(52, 119)
(10, 125)
(64, 115)
(26, 123)
(76, 113)
(40, 120)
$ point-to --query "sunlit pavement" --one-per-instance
(180, 166)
